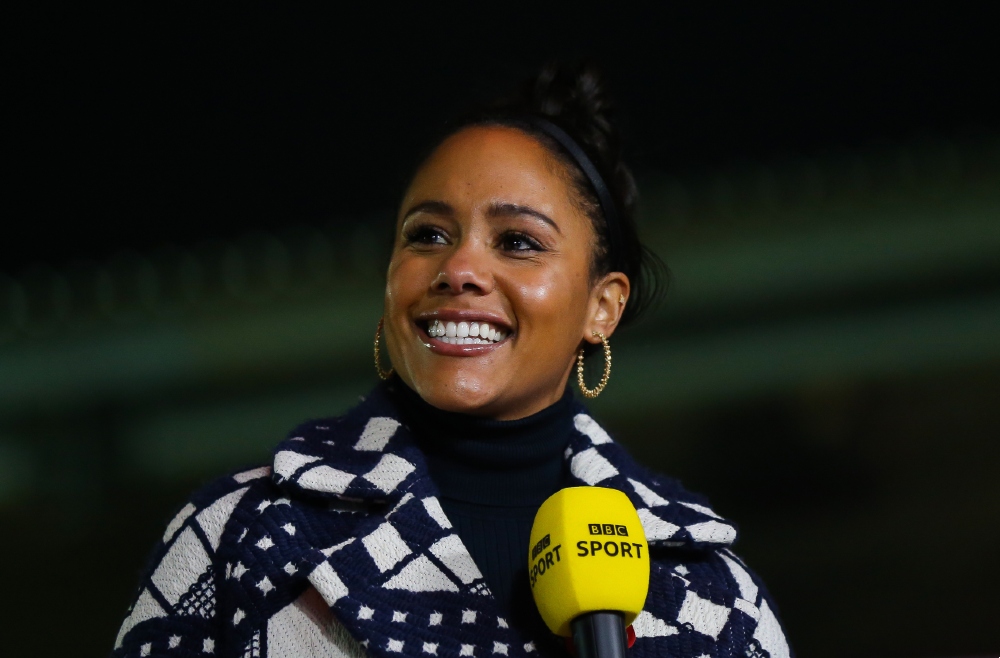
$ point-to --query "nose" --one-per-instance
(464, 269)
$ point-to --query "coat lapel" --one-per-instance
(671, 516)
(404, 582)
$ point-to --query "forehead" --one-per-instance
(486, 164)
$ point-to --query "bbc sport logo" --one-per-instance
(607, 529)
(542, 544)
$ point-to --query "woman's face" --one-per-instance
(489, 241)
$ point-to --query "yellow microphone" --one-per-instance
(589, 568)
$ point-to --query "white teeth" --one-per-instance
(464, 333)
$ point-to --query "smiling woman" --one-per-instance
(490, 233)
(402, 527)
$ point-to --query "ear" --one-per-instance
(607, 304)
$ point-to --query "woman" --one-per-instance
(402, 526)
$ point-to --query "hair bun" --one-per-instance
(575, 90)
(574, 95)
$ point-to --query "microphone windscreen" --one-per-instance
(587, 553)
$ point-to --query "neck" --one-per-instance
(504, 463)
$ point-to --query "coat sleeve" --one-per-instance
(174, 611)
(768, 636)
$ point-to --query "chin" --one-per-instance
(465, 395)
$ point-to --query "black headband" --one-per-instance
(607, 202)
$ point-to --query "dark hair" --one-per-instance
(574, 98)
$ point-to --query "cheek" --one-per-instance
(405, 281)
(556, 297)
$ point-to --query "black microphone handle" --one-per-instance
(599, 635)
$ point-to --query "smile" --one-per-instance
(465, 333)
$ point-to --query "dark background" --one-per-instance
(867, 494)
(135, 126)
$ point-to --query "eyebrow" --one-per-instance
(500, 209)
(496, 209)
(431, 207)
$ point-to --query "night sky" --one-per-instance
(141, 125)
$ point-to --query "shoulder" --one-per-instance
(181, 568)
(209, 509)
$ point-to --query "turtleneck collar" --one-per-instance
(503, 463)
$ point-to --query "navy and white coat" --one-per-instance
(341, 548)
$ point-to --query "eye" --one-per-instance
(425, 235)
(518, 242)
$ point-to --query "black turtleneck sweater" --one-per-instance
(493, 475)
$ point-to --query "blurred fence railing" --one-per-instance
(857, 266)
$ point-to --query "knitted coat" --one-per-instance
(341, 548)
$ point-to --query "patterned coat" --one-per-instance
(341, 548)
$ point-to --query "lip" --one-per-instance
(461, 315)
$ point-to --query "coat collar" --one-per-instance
(369, 456)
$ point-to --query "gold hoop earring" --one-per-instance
(382, 374)
(592, 393)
